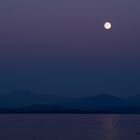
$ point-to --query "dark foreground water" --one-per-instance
(69, 127)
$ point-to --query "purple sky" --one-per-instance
(60, 46)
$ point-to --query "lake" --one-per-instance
(69, 127)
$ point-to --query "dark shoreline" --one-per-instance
(68, 112)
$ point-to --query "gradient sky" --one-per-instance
(60, 46)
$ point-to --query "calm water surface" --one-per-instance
(69, 127)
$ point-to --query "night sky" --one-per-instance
(61, 47)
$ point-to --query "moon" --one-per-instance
(107, 25)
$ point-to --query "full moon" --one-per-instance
(107, 25)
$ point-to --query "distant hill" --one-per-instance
(28, 102)
(21, 98)
(100, 101)
(135, 99)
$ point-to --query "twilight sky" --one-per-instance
(60, 46)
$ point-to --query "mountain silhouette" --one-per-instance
(135, 99)
(100, 101)
(21, 98)
(23, 101)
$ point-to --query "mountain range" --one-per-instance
(23, 101)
